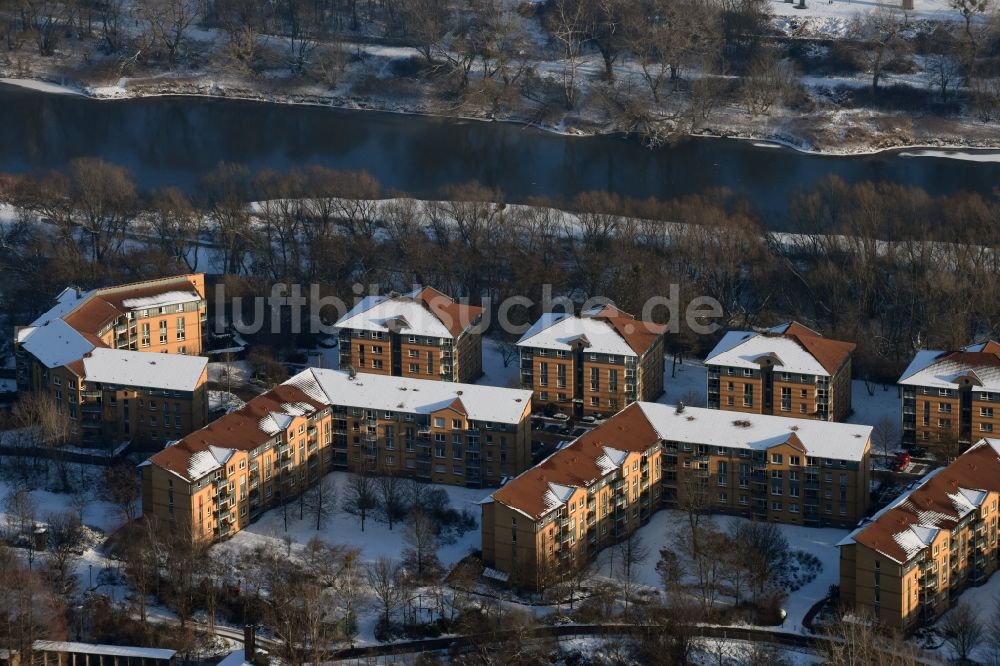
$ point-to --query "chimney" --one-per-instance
(249, 642)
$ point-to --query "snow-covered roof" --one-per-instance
(911, 522)
(374, 313)
(207, 461)
(417, 396)
(55, 343)
(159, 300)
(741, 349)
(940, 369)
(66, 301)
(558, 330)
(713, 427)
(169, 372)
(107, 650)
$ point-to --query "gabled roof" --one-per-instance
(586, 460)
(793, 348)
(602, 330)
(56, 343)
(51, 339)
(939, 501)
(426, 312)
(192, 456)
(978, 364)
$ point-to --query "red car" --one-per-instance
(901, 462)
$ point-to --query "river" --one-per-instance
(174, 140)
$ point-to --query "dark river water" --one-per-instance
(173, 140)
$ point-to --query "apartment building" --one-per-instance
(594, 363)
(161, 315)
(908, 563)
(217, 480)
(112, 394)
(787, 370)
(952, 397)
(608, 482)
(422, 334)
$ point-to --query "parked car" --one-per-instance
(901, 461)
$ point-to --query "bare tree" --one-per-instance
(567, 23)
(420, 554)
(360, 496)
(885, 435)
(177, 225)
(632, 552)
(962, 630)
(169, 22)
(426, 22)
(120, 487)
(383, 577)
(881, 28)
(391, 499)
(859, 641)
(321, 501)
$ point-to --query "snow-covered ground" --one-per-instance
(494, 373)
(345, 528)
(689, 379)
(984, 600)
(97, 514)
(219, 372)
(663, 527)
(884, 403)
(833, 18)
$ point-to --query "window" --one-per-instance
(748, 395)
(775, 506)
(413, 353)
(986, 427)
(180, 328)
(145, 334)
(438, 422)
(414, 368)
(795, 461)
(377, 363)
(456, 424)
(595, 401)
(986, 411)
(163, 332)
(776, 458)
(376, 349)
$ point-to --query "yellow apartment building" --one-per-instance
(607, 483)
(217, 480)
(787, 370)
(909, 562)
(422, 334)
(952, 396)
(594, 363)
(86, 352)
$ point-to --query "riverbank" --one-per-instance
(839, 134)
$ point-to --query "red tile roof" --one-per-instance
(240, 430)
(932, 505)
(577, 464)
(455, 316)
(639, 335)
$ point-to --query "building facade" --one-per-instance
(162, 315)
(606, 484)
(595, 363)
(422, 335)
(909, 562)
(86, 354)
(217, 480)
(788, 370)
(952, 397)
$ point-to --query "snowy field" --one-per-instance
(97, 514)
(833, 18)
(821, 542)
(494, 374)
(345, 529)
(983, 600)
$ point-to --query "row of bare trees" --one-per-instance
(888, 266)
